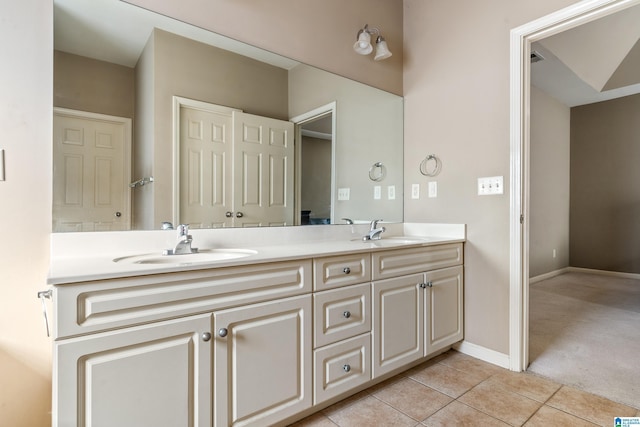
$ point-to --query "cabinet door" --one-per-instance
(398, 312)
(263, 362)
(444, 308)
(152, 375)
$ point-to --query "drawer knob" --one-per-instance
(206, 336)
(346, 368)
(223, 332)
(430, 284)
(347, 314)
(346, 270)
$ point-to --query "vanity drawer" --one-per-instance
(341, 313)
(88, 307)
(340, 367)
(401, 262)
(343, 270)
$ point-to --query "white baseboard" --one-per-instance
(483, 353)
(604, 272)
(548, 275)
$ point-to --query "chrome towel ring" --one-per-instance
(377, 172)
(424, 166)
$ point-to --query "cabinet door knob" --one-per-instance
(229, 214)
(346, 270)
(239, 215)
(346, 368)
(347, 314)
(206, 336)
(430, 284)
(423, 285)
(118, 214)
(223, 332)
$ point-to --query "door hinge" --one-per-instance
(521, 219)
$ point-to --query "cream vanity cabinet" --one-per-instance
(230, 346)
(417, 304)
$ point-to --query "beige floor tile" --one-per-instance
(589, 406)
(413, 398)
(548, 416)
(370, 412)
(345, 402)
(529, 385)
(465, 363)
(507, 406)
(460, 415)
(447, 380)
(315, 420)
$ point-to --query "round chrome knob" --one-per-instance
(423, 285)
(239, 215)
(430, 284)
(346, 368)
(118, 214)
(206, 336)
(347, 314)
(229, 214)
(346, 270)
(223, 332)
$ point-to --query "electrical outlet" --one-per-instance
(433, 189)
(391, 192)
(490, 186)
(415, 191)
(377, 192)
(344, 193)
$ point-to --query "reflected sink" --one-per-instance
(203, 256)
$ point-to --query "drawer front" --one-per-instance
(340, 367)
(343, 270)
(341, 313)
(108, 304)
(401, 262)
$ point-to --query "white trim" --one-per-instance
(178, 102)
(604, 273)
(301, 119)
(483, 353)
(549, 275)
(521, 39)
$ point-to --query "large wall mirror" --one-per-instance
(158, 121)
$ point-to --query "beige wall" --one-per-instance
(87, 84)
(605, 195)
(549, 184)
(25, 196)
(456, 86)
(318, 33)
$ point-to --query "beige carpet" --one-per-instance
(585, 332)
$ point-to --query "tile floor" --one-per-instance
(454, 389)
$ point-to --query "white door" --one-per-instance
(91, 168)
(206, 158)
(263, 171)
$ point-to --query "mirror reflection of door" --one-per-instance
(316, 153)
(235, 169)
(91, 172)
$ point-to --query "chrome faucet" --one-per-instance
(184, 242)
(374, 232)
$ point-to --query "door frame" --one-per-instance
(520, 96)
(127, 155)
(330, 108)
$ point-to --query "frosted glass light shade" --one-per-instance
(363, 45)
(382, 51)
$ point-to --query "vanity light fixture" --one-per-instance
(363, 43)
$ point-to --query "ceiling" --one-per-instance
(593, 62)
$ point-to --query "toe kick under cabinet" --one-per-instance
(255, 344)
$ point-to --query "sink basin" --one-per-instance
(396, 240)
(203, 256)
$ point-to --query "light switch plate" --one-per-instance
(1, 165)
(391, 192)
(490, 186)
(433, 189)
(377, 192)
(344, 193)
(415, 191)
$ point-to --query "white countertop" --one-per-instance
(81, 257)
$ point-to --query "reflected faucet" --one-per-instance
(374, 232)
(347, 220)
(184, 242)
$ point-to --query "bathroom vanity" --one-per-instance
(261, 339)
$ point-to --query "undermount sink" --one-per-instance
(393, 240)
(203, 256)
